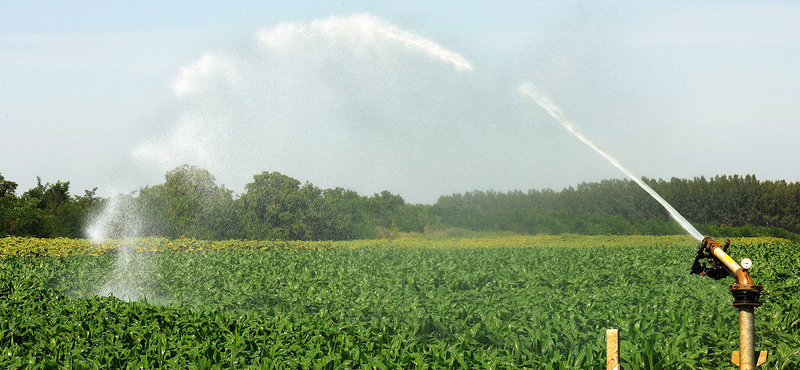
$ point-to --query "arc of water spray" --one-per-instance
(529, 90)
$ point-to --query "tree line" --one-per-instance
(190, 204)
(734, 205)
(46, 211)
(275, 206)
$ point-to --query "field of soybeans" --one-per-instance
(506, 302)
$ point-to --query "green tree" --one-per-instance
(46, 210)
(345, 214)
(188, 203)
(8, 200)
(57, 214)
(275, 207)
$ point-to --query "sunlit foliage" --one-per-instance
(47, 210)
(510, 302)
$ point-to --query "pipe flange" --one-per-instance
(746, 295)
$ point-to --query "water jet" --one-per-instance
(744, 291)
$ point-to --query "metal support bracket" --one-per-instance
(762, 358)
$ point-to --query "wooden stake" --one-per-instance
(612, 349)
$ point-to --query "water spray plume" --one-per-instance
(362, 29)
(529, 90)
(335, 101)
(120, 220)
(314, 98)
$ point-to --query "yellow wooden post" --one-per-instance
(612, 349)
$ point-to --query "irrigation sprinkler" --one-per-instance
(745, 293)
(745, 296)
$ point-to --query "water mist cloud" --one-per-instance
(192, 76)
(328, 101)
(359, 30)
(189, 142)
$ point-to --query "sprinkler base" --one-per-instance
(761, 355)
(746, 295)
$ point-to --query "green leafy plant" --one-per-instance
(507, 302)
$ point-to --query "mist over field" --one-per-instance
(344, 101)
(418, 100)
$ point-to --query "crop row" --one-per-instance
(516, 302)
(30, 247)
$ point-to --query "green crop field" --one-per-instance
(539, 302)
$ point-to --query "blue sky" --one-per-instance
(685, 89)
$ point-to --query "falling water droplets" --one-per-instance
(528, 89)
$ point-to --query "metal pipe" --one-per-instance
(742, 277)
(747, 340)
(746, 299)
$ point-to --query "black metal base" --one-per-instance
(746, 295)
